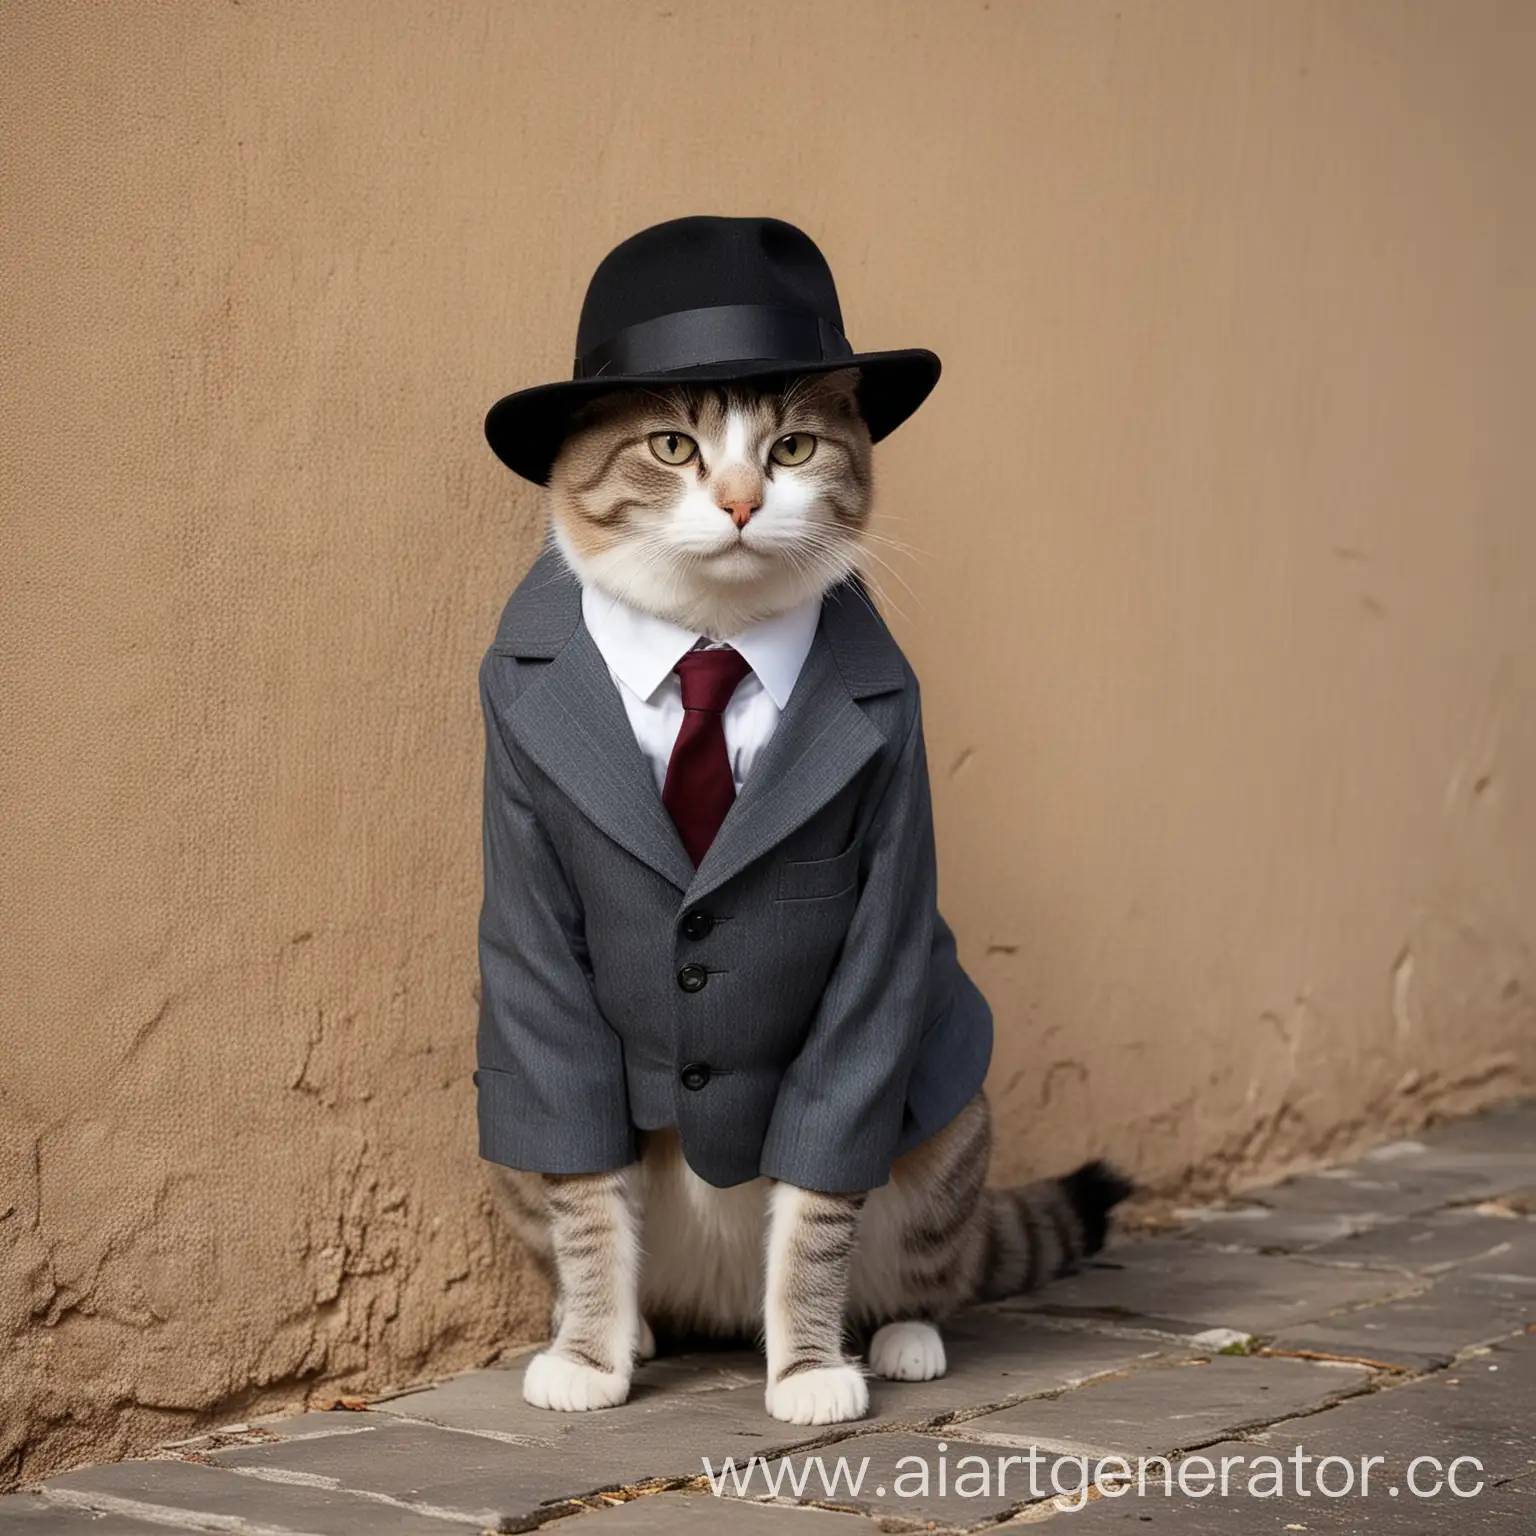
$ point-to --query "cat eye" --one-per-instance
(673, 447)
(794, 449)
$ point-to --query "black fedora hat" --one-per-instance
(706, 299)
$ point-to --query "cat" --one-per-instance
(716, 507)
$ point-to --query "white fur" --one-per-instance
(703, 1246)
(907, 1352)
(704, 1249)
(568, 1386)
(829, 1396)
(699, 570)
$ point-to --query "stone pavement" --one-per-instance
(1330, 1332)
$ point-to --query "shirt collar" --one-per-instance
(641, 650)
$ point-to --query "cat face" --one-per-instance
(715, 507)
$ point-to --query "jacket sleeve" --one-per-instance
(550, 1076)
(839, 1109)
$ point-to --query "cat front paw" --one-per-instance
(907, 1352)
(828, 1395)
(569, 1386)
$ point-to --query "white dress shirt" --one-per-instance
(641, 650)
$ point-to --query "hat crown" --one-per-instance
(706, 301)
(700, 263)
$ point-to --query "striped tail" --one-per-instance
(1041, 1230)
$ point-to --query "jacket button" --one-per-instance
(695, 1075)
(698, 925)
(692, 978)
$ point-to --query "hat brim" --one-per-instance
(525, 429)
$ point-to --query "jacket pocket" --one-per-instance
(817, 879)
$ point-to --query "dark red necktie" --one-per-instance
(699, 787)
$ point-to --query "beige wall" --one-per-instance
(1221, 586)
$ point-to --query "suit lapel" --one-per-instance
(571, 722)
(821, 741)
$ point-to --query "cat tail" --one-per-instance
(1039, 1231)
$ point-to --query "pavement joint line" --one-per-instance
(1323, 1357)
(1255, 1426)
(940, 1423)
(1329, 1263)
(164, 1514)
(502, 1360)
(1041, 1510)
(1352, 1308)
(1129, 1326)
(291, 1479)
(604, 1496)
(1239, 1431)
(1308, 1254)
(1109, 1328)
(199, 1447)
(1376, 1386)
(697, 1485)
(503, 1436)
(593, 1503)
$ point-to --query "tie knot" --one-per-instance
(709, 678)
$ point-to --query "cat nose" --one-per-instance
(740, 511)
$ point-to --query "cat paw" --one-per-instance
(907, 1352)
(568, 1386)
(829, 1395)
(646, 1348)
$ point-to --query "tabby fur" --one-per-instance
(652, 1248)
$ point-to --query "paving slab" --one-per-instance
(158, 1491)
(1422, 1255)
(1168, 1282)
(1507, 1131)
(1158, 1412)
(992, 1356)
(25, 1514)
(1445, 1240)
(424, 1465)
(1483, 1406)
(1457, 1166)
(1413, 1184)
(491, 1401)
(1459, 1312)
(1266, 1229)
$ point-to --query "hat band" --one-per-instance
(723, 333)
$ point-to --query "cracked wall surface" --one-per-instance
(1218, 574)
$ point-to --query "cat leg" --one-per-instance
(646, 1348)
(811, 1239)
(594, 1232)
(921, 1247)
(909, 1351)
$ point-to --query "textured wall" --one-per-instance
(1220, 586)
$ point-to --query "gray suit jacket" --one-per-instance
(794, 1006)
